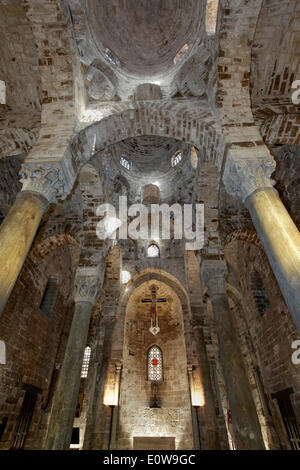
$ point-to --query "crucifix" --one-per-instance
(154, 328)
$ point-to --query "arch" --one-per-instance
(46, 246)
(141, 278)
(133, 339)
(143, 121)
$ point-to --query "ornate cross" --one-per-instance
(154, 328)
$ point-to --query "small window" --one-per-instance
(260, 296)
(181, 53)
(155, 364)
(111, 58)
(125, 163)
(194, 158)
(2, 352)
(177, 157)
(2, 92)
(153, 251)
(49, 296)
(86, 362)
(212, 7)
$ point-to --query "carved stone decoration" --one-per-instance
(47, 179)
(87, 284)
(243, 176)
(214, 273)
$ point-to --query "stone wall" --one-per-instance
(173, 419)
(35, 342)
(271, 333)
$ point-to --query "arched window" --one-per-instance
(125, 163)
(260, 296)
(153, 251)
(177, 157)
(49, 296)
(155, 364)
(86, 362)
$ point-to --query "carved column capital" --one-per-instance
(243, 176)
(46, 179)
(87, 284)
(214, 273)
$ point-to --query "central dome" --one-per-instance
(145, 35)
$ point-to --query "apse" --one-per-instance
(155, 361)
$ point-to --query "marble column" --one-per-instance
(16, 236)
(87, 284)
(281, 241)
(249, 179)
(246, 427)
(42, 184)
(211, 426)
(96, 436)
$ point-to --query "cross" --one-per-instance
(154, 328)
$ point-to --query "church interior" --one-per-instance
(130, 343)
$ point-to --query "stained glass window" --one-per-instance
(85, 362)
(155, 364)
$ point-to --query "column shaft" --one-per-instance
(62, 417)
(96, 436)
(281, 241)
(16, 236)
(212, 437)
(246, 427)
